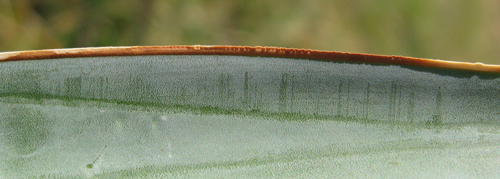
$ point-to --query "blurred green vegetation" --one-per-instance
(460, 30)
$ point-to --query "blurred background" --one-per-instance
(459, 30)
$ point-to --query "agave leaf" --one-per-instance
(225, 116)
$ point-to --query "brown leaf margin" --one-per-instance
(245, 51)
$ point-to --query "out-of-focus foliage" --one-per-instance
(463, 30)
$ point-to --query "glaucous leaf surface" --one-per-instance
(235, 116)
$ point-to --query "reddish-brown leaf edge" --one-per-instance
(244, 51)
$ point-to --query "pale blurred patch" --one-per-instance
(463, 30)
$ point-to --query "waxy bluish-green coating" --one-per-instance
(221, 115)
